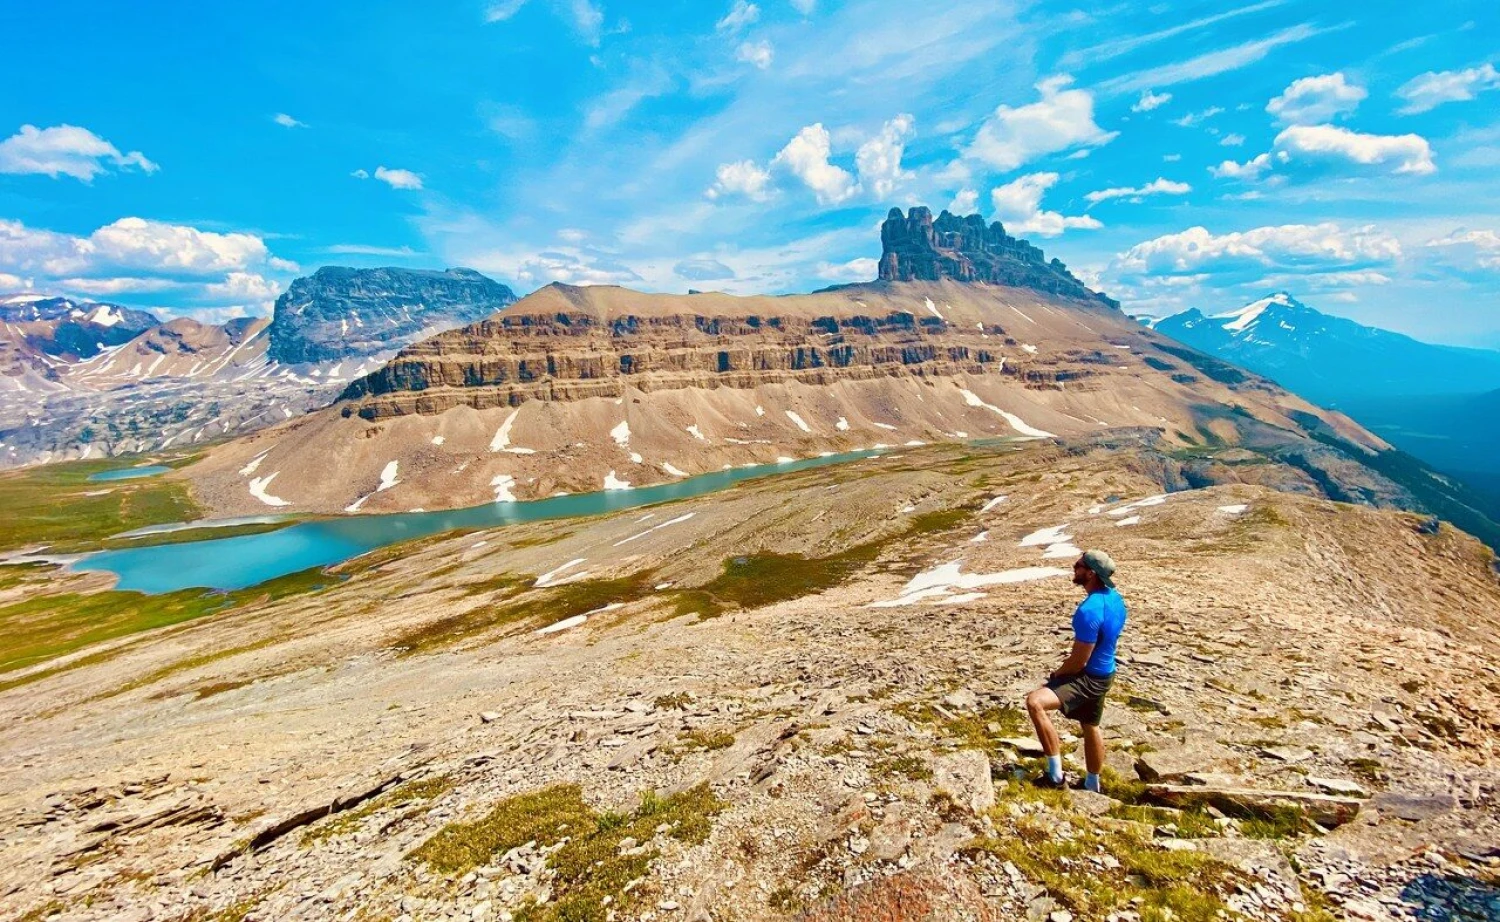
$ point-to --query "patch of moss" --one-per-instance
(1281, 822)
(754, 580)
(981, 729)
(501, 582)
(591, 870)
(903, 766)
(540, 540)
(672, 702)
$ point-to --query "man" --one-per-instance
(1079, 685)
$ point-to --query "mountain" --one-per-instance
(80, 380)
(917, 248)
(339, 313)
(1331, 359)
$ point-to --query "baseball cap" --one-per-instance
(1102, 565)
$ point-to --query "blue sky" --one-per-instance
(196, 158)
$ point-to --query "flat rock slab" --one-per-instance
(1170, 764)
(1024, 745)
(1325, 809)
(965, 777)
(1413, 807)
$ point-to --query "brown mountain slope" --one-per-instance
(578, 389)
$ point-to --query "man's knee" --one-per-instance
(1041, 701)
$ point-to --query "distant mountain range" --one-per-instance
(1331, 359)
(1435, 402)
(85, 379)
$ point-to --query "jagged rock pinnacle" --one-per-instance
(916, 247)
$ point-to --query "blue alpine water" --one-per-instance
(130, 473)
(234, 563)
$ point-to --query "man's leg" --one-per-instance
(1093, 754)
(1038, 703)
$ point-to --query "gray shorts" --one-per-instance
(1082, 696)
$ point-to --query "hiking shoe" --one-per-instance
(1044, 780)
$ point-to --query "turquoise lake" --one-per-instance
(235, 563)
(130, 473)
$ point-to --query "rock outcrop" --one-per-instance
(917, 248)
(339, 313)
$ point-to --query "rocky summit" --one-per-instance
(339, 313)
(916, 247)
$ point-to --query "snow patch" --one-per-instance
(1236, 509)
(546, 579)
(1129, 520)
(842, 425)
(1016, 423)
(697, 433)
(667, 466)
(1138, 504)
(578, 620)
(760, 411)
(980, 538)
(991, 504)
(258, 487)
(680, 518)
(388, 476)
(438, 440)
(1060, 550)
(799, 421)
(927, 302)
(504, 484)
(885, 426)
(249, 469)
(611, 482)
(105, 317)
(1029, 348)
(1043, 536)
(943, 580)
(621, 434)
(501, 441)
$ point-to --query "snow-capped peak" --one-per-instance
(105, 316)
(1236, 321)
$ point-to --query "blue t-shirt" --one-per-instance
(1099, 620)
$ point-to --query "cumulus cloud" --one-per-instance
(966, 202)
(286, 121)
(1289, 247)
(855, 270)
(1315, 100)
(740, 15)
(396, 179)
(243, 287)
(1406, 153)
(740, 178)
(1062, 119)
(758, 53)
(574, 268)
(806, 157)
(66, 150)
(702, 269)
(1158, 186)
(1435, 88)
(878, 160)
(1018, 204)
(114, 287)
(1232, 140)
(131, 243)
(1470, 249)
(1150, 100)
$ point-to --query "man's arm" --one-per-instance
(1076, 660)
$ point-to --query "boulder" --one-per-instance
(965, 777)
(1325, 809)
(1173, 762)
(1413, 807)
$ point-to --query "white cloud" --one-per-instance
(758, 53)
(65, 150)
(1232, 140)
(743, 177)
(1303, 247)
(1150, 100)
(503, 10)
(573, 267)
(243, 287)
(396, 179)
(702, 269)
(1018, 203)
(1249, 171)
(878, 160)
(1316, 100)
(286, 121)
(588, 19)
(740, 15)
(1195, 118)
(1061, 120)
(1407, 153)
(111, 287)
(132, 244)
(1211, 63)
(364, 249)
(1471, 248)
(966, 202)
(806, 157)
(1158, 186)
(1434, 88)
(855, 270)
(1171, 158)
(805, 7)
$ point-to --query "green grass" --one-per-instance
(552, 604)
(47, 505)
(187, 535)
(44, 627)
(591, 868)
(982, 729)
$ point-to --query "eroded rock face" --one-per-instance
(339, 312)
(915, 247)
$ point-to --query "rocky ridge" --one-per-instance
(915, 247)
(1294, 735)
(341, 313)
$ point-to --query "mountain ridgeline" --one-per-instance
(339, 312)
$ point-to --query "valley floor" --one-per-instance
(794, 699)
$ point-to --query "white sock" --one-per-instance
(1054, 768)
(1091, 782)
